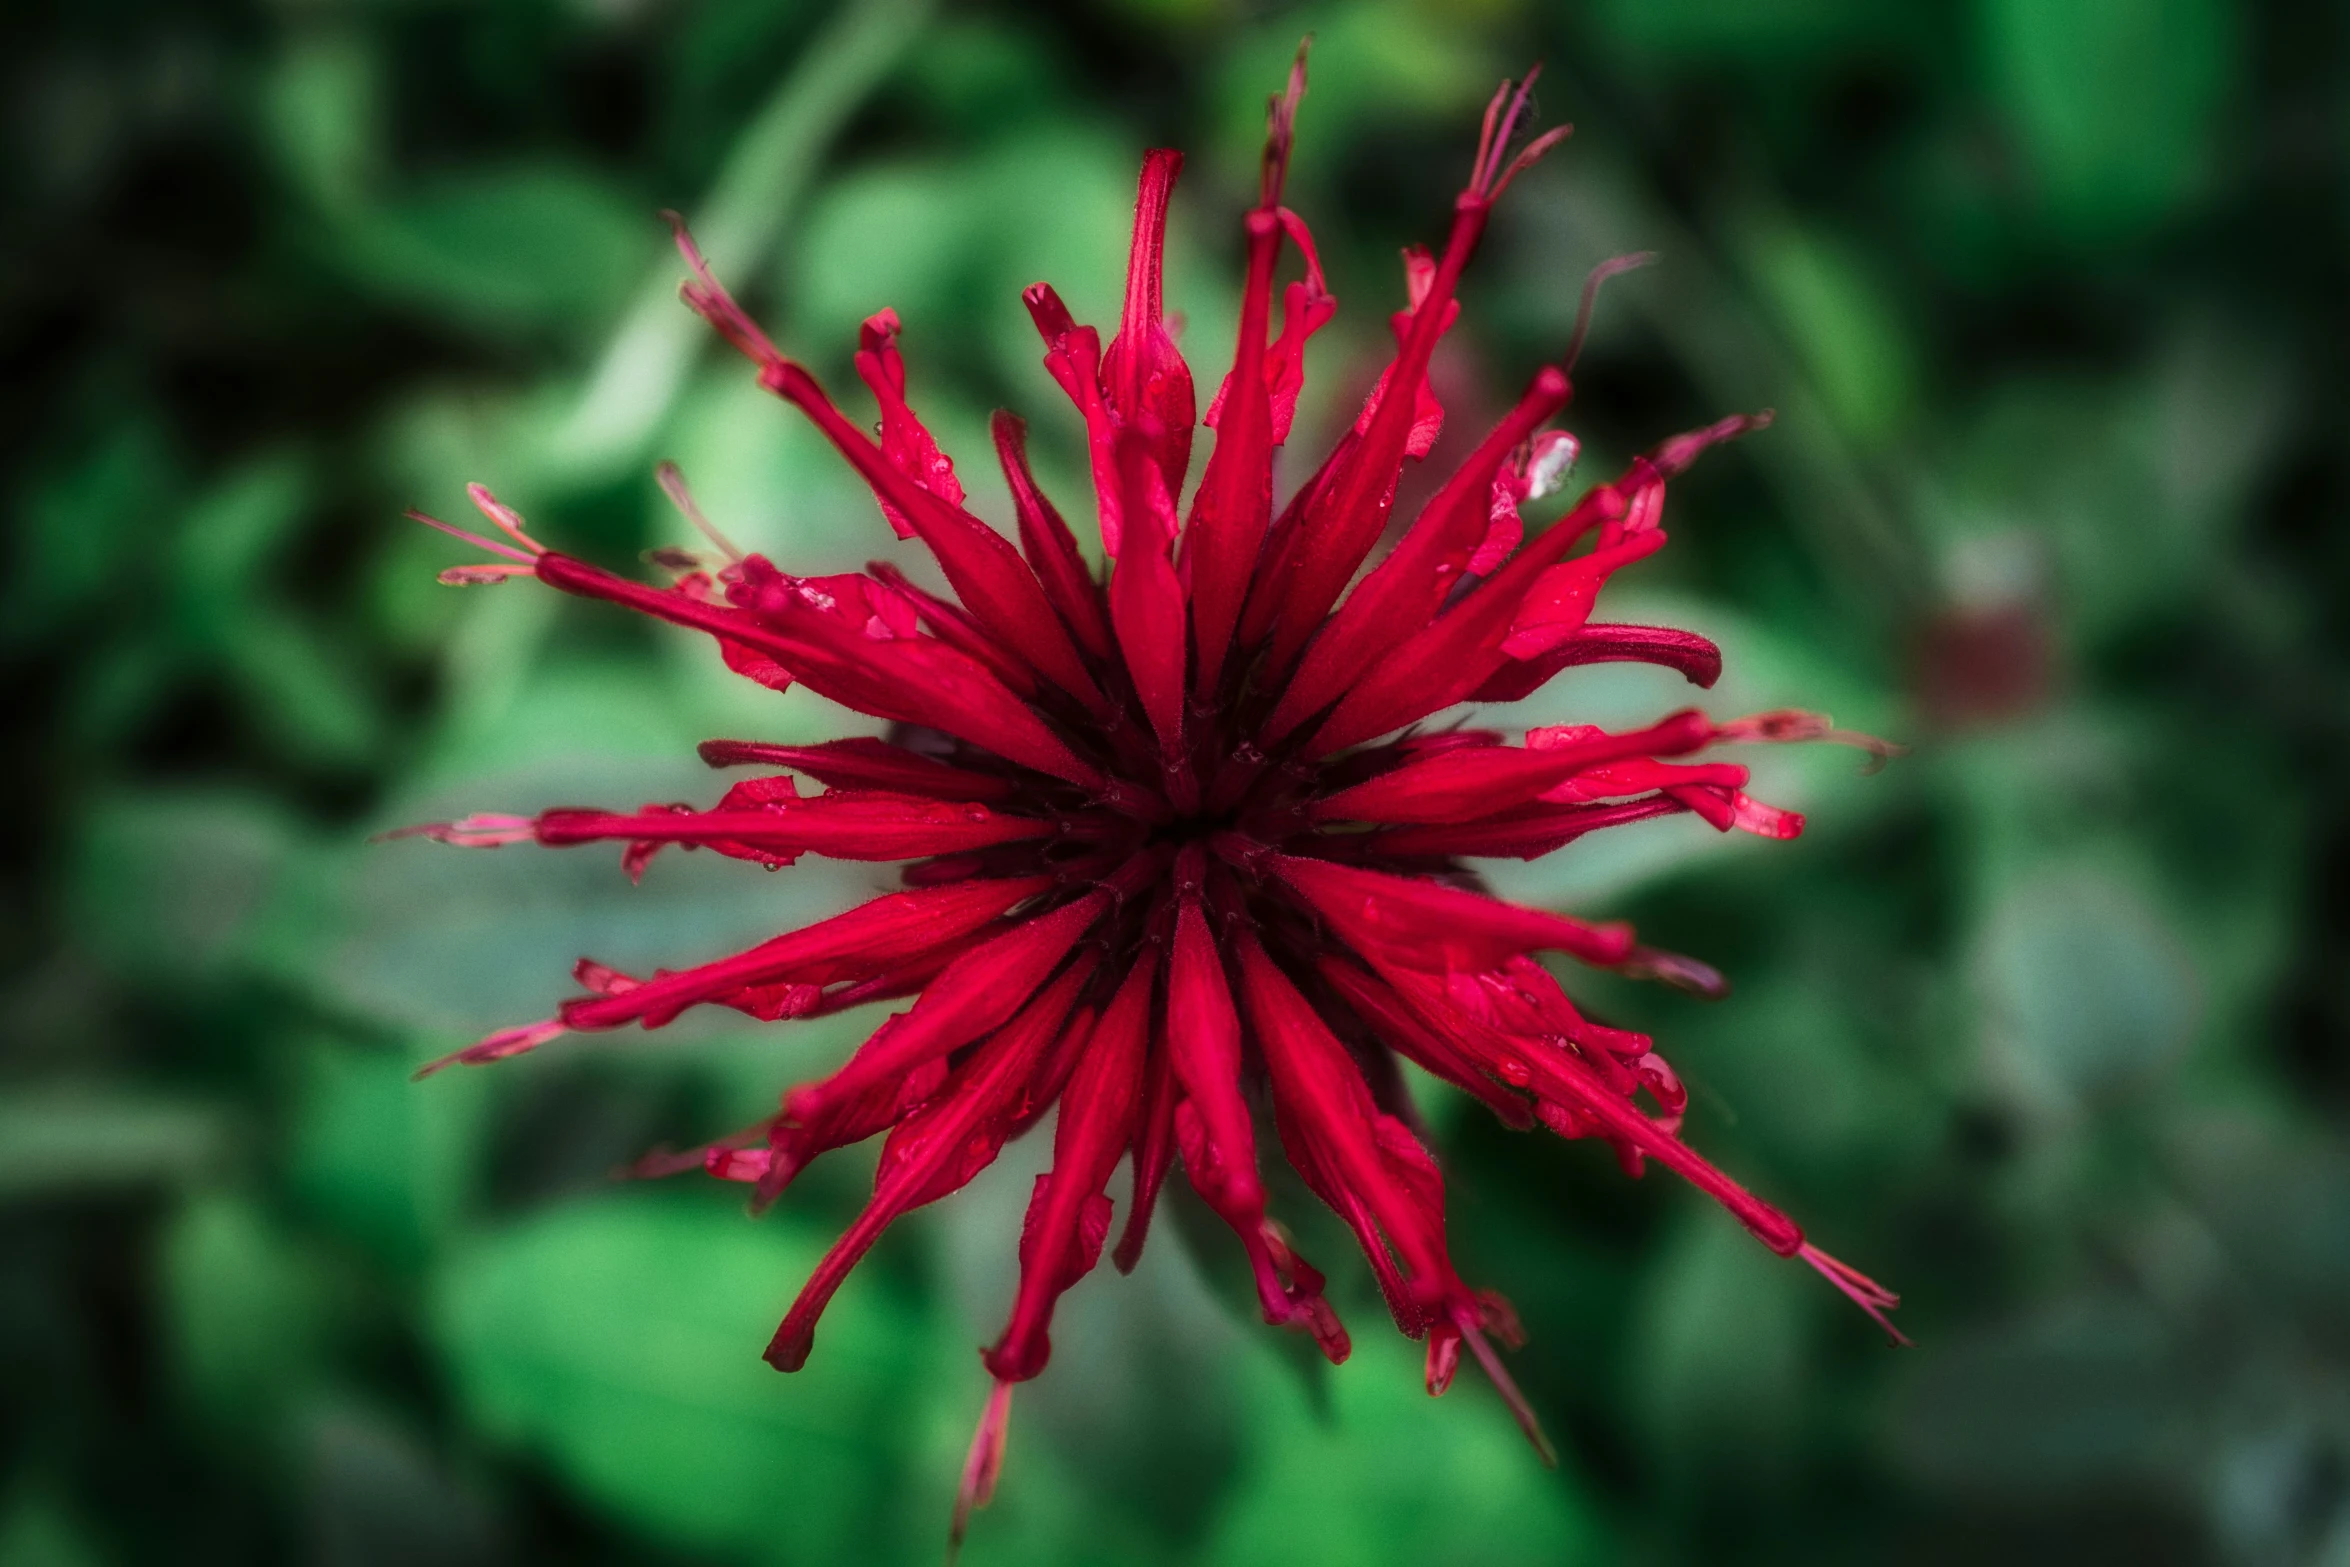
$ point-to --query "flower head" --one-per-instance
(1179, 862)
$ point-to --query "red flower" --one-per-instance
(1166, 873)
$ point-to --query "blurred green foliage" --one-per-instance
(2045, 1025)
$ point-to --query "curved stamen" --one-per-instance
(1281, 129)
(476, 540)
(480, 831)
(497, 1047)
(984, 1465)
(508, 520)
(1860, 1289)
(1794, 726)
(672, 482)
(1614, 266)
(1471, 1331)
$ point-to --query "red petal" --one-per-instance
(1387, 1016)
(904, 441)
(1203, 1036)
(1321, 1098)
(975, 993)
(1613, 780)
(1423, 925)
(1347, 515)
(1528, 833)
(982, 1466)
(1235, 500)
(792, 1147)
(1152, 1154)
(1069, 1216)
(862, 763)
(1536, 468)
(1048, 543)
(1072, 354)
(1408, 587)
(1565, 1082)
(1560, 600)
(947, 622)
(1144, 379)
(1442, 664)
(887, 931)
(912, 679)
(1698, 660)
(932, 1152)
(1469, 782)
(1427, 413)
(844, 827)
(988, 575)
(1146, 601)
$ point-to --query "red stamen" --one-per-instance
(1520, 1411)
(508, 520)
(474, 539)
(983, 1467)
(1860, 1289)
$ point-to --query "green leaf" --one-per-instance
(322, 112)
(2116, 499)
(36, 1530)
(51, 1140)
(171, 886)
(509, 250)
(2087, 992)
(979, 75)
(233, 533)
(304, 687)
(378, 1496)
(81, 529)
(895, 234)
(1721, 1355)
(1806, 1071)
(620, 1338)
(2278, 1200)
(1843, 324)
(2116, 104)
(1787, 32)
(2087, 1392)
(379, 1157)
(1395, 1477)
(248, 1310)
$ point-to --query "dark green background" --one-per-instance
(2044, 1025)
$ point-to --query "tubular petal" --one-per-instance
(1145, 382)
(1068, 1216)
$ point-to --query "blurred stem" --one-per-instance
(738, 223)
(1846, 509)
(1837, 504)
